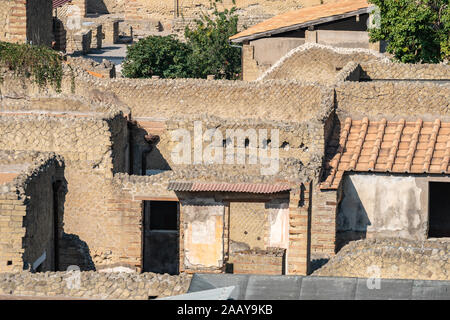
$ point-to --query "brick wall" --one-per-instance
(13, 21)
(323, 223)
(27, 216)
(87, 146)
(270, 261)
(12, 231)
(298, 255)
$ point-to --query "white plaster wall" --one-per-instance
(203, 238)
(279, 225)
(384, 205)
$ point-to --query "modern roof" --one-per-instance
(390, 146)
(303, 18)
(228, 187)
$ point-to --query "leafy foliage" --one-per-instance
(415, 30)
(207, 51)
(39, 63)
(212, 53)
(157, 56)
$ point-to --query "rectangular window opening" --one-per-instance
(439, 210)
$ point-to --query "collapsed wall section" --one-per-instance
(29, 211)
(92, 148)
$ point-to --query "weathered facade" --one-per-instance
(32, 201)
(149, 187)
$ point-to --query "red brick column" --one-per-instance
(130, 229)
(18, 22)
(299, 230)
(323, 222)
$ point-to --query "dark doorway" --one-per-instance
(161, 236)
(439, 210)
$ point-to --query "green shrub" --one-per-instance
(43, 65)
(157, 56)
(207, 51)
(212, 53)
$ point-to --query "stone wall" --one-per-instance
(300, 143)
(317, 63)
(391, 259)
(93, 285)
(27, 213)
(227, 99)
(393, 100)
(386, 71)
(164, 10)
(323, 223)
(270, 261)
(93, 149)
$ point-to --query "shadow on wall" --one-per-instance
(96, 6)
(332, 131)
(70, 249)
(74, 251)
(145, 154)
(352, 219)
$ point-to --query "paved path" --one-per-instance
(115, 53)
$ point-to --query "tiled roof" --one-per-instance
(390, 146)
(303, 18)
(228, 187)
(59, 3)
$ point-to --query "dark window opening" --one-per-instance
(9, 263)
(439, 210)
(163, 215)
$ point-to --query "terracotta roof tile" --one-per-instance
(390, 146)
(303, 16)
(228, 187)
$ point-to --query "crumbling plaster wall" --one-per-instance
(203, 234)
(367, 210)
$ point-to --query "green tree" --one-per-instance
(157, 56)
(212, 53)
(415, 30)
(207, 51)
